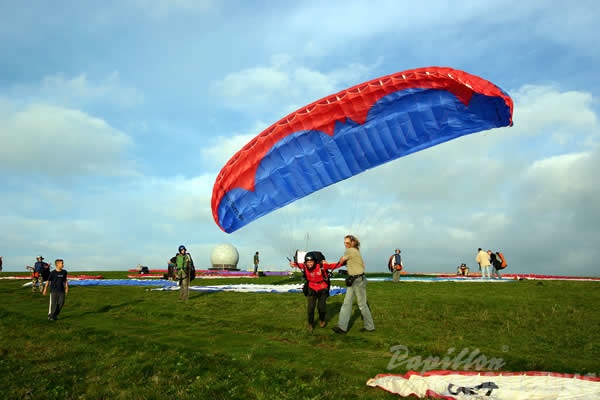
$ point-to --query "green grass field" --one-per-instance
(131, 343)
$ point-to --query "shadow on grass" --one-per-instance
(105, 309)
(333, 312)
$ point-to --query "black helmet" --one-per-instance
(311, 256)
(182, 247)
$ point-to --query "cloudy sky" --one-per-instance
(117, 116)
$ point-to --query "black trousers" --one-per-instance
(57, 301)
(318, 299)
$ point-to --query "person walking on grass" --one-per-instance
(495, 267)
(59, 287)
(395, 264)
(183, 268)
(357, 286)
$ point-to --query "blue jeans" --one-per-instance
(358, 289)
(485, 272)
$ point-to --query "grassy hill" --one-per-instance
(132, 343)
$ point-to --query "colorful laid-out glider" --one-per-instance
(350, 132)
(456, 385)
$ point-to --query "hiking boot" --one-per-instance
(367, 330)
(309, 326)
(322, 324)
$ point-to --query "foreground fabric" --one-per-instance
(172, 285)
(433, 279)
(490, 385)
(257, 288)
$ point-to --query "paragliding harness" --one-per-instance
(191, 272)
(319, 258)
(392, 266)
(500, 263)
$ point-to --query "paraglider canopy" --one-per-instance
(350, 132)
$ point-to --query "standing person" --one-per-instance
(396, 265)
(495, 268)
(36, 273)
(256, 262)
(183, 268)
(483, 259)
(0, 263)
(357, 286)
(45, 273)
(59, 287)
(317, 289)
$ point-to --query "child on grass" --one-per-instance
(59, 287)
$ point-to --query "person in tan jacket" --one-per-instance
(483, 259)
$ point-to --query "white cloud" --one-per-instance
(79, 91)
(284, 86)
(224, 147)
(189, 200)
(343, 22)
(542, 108)
(562, 184)
(54, 141)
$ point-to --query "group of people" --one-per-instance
(490, 263)
(56, 282)
(43, 279)
(316, 272)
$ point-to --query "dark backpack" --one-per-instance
(45, 271)
(192, 270)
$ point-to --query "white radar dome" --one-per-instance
(224, 256)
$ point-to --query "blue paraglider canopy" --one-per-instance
(350, 132)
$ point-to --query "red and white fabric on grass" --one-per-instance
(490, 385)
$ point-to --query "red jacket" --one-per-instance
(316, 280)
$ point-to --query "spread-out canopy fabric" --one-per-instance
(352, 131)
(456, 385)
